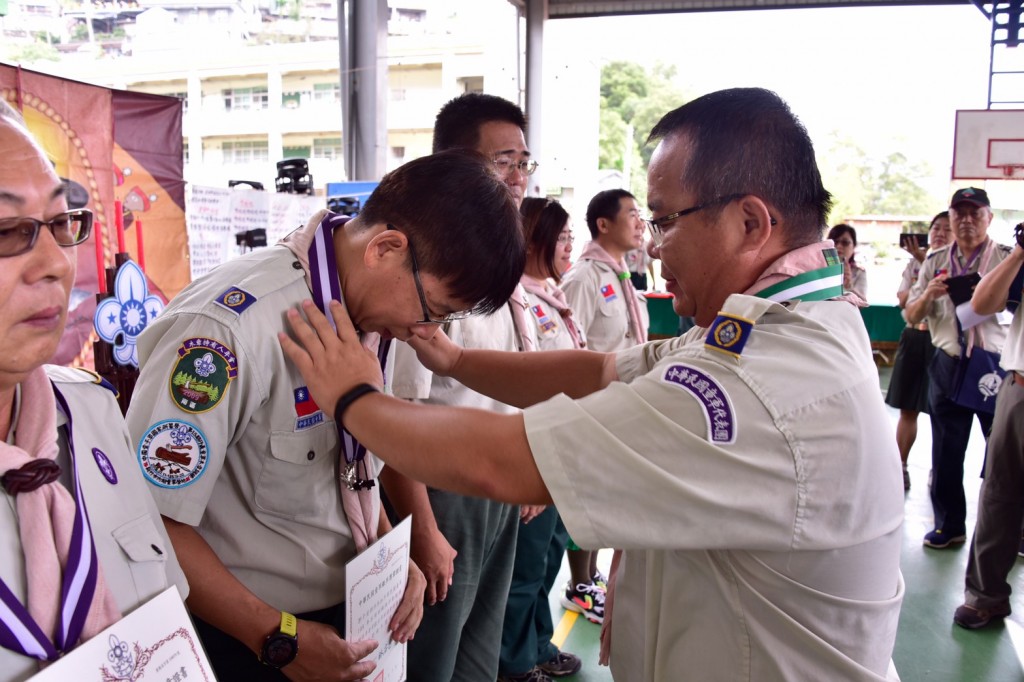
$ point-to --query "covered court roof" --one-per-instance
(567, 9)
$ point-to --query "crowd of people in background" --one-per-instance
(511, 402)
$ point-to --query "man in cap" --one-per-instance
(971, 254)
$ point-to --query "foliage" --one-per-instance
(31, 52)
(863, 185)
(634, 96)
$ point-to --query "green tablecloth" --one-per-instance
(664, 321)
(884, 323)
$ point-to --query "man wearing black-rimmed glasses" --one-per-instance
(263, 495)
(465, 545)
(751, 464)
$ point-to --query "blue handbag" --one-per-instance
(977, 380)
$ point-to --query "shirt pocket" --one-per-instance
(299, 472)
(147, 555)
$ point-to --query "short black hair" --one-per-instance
(457, 125)
(840, 229)
(605, 204)
(462, 221)
(747, 141)
(543, 222)
(943, 214)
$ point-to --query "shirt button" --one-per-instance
(296, 265)
(310, 455)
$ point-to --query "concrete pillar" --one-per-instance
(536, 15)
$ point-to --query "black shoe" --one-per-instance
(562, 664)
(974, 618)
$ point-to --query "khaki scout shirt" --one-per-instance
(136, 557)
(758, 499)
(597, 298)
(1013, 352)
(552, 334)
(941, 314)
(249, 459)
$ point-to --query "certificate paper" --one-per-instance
(154, 642)
(376, 581)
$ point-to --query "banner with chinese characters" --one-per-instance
(216, 215)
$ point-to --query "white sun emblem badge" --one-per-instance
(121, 318)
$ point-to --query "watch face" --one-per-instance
(279, 650)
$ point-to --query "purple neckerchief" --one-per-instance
(355, 482)
(18, 629)
(954, 269)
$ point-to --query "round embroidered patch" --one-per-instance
(173, 454)
(728, 333)
(201, 377)
(106, 468)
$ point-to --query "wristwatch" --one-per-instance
(281, 646)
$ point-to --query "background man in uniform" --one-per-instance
(605, 304)
(466, 545)
(972, 251)
(245, 465)
(1000, 503)
(755, 478)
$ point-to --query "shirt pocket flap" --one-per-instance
(141, 540)
(305, 448)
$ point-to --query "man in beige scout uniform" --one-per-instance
(466, 545)
(972, 252)
(245, 465)
(755, 478)
(997, 536)
(613, 316)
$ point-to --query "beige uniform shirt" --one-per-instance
(597, 298)
(941, 314)
(551, 332)
(249, 460)
(137, 559)
(758, 500)
(1013, 352)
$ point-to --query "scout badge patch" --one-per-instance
(200, 378)
(173, 454)
(711, 396)
(545, 324)
(608, 292)
(236, 300)
(308, 413)
(728, 334)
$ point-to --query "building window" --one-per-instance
(327, 148)
(326, 92)
(245, 151)
(291, 100)
(296, 152)
(396, 155)
(410, 16)
(472, 84)
(244, 99)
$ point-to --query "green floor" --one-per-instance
(928, 645)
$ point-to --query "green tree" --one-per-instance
(634, 96)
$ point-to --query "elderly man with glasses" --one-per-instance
(245, 465)
(971, 255)
(750, 463)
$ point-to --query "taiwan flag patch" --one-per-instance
(608, 291)
(306, 409)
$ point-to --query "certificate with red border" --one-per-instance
(154, 642)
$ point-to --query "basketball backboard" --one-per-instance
(989, 144)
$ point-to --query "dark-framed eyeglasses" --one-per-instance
(427, 317)
(505, 166)
(656, 225)
(19, 235)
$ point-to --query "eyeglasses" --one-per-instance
(505, 166)
(19, 235)
(427, 317)
(656, 225)
(565, 239)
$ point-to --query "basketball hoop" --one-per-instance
(1013, 171)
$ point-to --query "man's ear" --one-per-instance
(757, 223)
(602, 225)
(384, 246)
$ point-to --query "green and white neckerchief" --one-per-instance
(814, 285)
